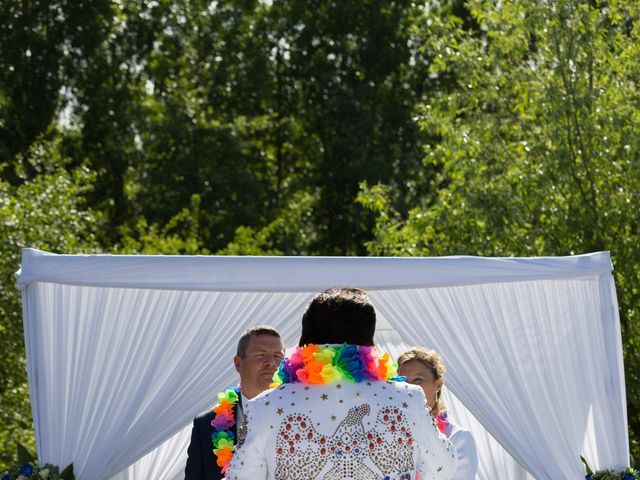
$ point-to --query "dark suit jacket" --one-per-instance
(201, 461)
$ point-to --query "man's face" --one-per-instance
(260, 361)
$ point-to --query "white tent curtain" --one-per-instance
(526, 358)
(122, 351)
(496, 461)
(168, 460)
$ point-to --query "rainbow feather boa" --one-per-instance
(322, 364)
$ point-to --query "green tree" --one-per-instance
(172, 105)
(263, 111)
(45, 212)
(537, 144)
(49, 212)
(42, 44)
(179, 236)
(350, 74)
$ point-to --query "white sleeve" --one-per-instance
(465, 447)
(437, 458)
(249, 462)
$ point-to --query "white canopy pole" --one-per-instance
(296, 274)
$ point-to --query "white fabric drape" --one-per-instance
(122, 370)
(123, 351)
(167, 461)
(534, 363)
(164, 463)
(494, 461)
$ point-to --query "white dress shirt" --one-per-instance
(466, 452)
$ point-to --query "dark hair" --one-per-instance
(256, 330)
(339, 315)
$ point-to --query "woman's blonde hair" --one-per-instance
(433, 361)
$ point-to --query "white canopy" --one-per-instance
(123, 351)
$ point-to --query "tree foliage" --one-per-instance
(536, 144)
(251, 108)
(47, 212)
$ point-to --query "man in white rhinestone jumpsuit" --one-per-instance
(341, 430)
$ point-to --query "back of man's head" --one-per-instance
(339, 315)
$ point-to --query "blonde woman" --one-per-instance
(424, 367)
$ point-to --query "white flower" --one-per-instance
(44, 473)
(21, 477)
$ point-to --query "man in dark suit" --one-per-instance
(259, 352)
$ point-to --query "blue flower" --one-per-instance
(284, 371)
(587, 477)
(6, 477)
(26, 469)
(349, 363)
(214, 435)
(629, 476)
